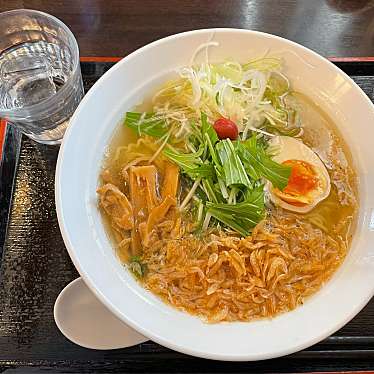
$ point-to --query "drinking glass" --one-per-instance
(40, 78)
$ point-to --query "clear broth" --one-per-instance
(336, 215)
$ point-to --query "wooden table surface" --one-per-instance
(333, 28)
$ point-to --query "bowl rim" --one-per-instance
(66, 237)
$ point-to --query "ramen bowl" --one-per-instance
(78, 168)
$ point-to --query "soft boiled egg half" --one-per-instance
(309, 182)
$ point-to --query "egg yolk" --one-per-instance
(303, 179)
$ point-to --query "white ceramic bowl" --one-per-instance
(78, 167)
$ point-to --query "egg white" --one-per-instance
(288, 148)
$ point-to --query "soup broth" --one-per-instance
(222, 247)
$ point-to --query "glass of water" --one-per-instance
(40, 78)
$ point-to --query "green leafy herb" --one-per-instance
(233, 168)
(209, 139)
(208, 130)
(209, 190)
(137, 267)
(243, 216)
(257, 161)
(255, 196)
(190, 163)
(227, 175)
(146, 123)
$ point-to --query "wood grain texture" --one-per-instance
(117, 27)
(35, 267)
